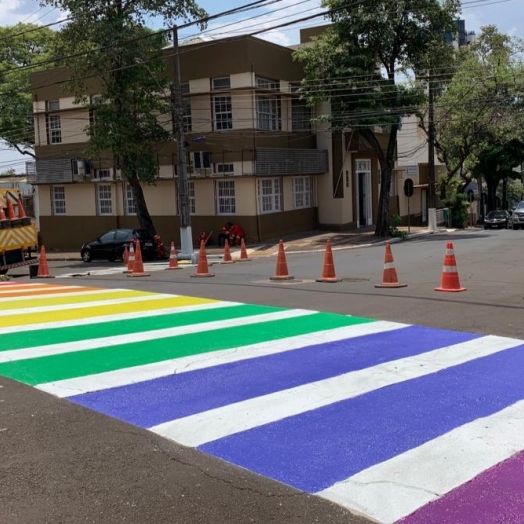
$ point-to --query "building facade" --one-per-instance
(254, 156)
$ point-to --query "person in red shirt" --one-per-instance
(225, 235)
(236, 235)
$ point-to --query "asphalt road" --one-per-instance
(64, 463)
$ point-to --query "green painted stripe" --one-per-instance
(44, 337)
(81, 363)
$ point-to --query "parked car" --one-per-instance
(497, 219)
(110, 245)
(517, 218)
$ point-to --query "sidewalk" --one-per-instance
(308, 241)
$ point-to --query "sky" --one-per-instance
(507, 15)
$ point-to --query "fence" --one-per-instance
(443, 217)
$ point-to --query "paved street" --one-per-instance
(397, 422)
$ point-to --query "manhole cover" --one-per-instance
(355, 280)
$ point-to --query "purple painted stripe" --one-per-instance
(493, 497)
(156, 401)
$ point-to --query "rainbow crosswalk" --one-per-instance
(397, 422)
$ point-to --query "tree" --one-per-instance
(480, 113)
(109, 44)
(22, 48)
(355, 65)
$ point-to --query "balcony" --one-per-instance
(58, 171)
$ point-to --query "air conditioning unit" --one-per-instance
(118, 174)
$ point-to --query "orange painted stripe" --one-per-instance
(45, 291)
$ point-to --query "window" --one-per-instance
(191, 195)
(201, 159)
(52, 105)
(186, 108)
(58, 200)
(268, 113)
(269, 195)
(104, 199)
(220, 83)
(103, 174)
(223, 112)
(226, 197)
(129, 200)
(54, 129)
(224, 169)
(300, 115)
(302, 192)
(265, 83)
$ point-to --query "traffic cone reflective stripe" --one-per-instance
(227, 254)
(328, 271)
(450, 279)
(281, 272)
(138, 265)
(130, 259)
(173, 260)
(389, 275)
(43, 267)
(243, 252)
(202, 267)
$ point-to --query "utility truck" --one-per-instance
(18, 235)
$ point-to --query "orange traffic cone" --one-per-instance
(202, 268)
(138, 265)
(10, 210)
(3, 218)
(227, 254)
(130, 258)
(281, 271)
(43, 268)
(450, 279)
(328, 271)
(389, 278)
(126, 256)
(173, 260)
(243, 252)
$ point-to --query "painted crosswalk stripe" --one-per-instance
(16, 291)
(183, 325)
(177, 396)
(199, 429)
(347, 437)
(49, 295)
(56, 303)
(133, 375)
(412, 479)
(126, 311)
(81, 363)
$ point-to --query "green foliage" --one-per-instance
(458, 205)
(22, 48)
(354, 67)
(479, 117)
(110, 52)
(394, 228)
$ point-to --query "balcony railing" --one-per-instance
(280, 161)
(58, 171)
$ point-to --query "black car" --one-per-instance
(110, 245)
(496, 219)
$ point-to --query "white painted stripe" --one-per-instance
(81, 305)
(397, 487)
(46, 287)
(113, 318)
(123, 377)
(200, 428)
(57, 295)
(389, 265)
(129, 338)
(449, 269)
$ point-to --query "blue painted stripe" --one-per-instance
(156, 401)
(314, 450)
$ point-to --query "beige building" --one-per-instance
(254, 156)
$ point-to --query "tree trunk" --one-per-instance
(492, 194)
(142, 213)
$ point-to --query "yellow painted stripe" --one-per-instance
(100, 311)
(61, 300)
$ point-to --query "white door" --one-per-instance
(364, 211)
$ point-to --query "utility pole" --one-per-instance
(432, 201)
(186, 237)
